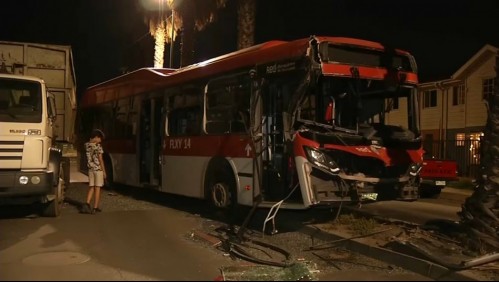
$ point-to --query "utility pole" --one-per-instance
(171, 42)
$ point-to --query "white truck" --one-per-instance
(37, 109)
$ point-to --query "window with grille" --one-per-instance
(474, 147)
(460, 137)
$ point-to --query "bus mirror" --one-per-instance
(329, 115)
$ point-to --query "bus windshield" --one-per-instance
(346, 103)
(20, 101)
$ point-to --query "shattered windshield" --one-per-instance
(20, 101)
(349, 103)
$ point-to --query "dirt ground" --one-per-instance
(424, 242)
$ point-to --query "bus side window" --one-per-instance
(184, 121)
(227, 105)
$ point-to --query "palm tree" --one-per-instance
(188, 16)
(193, 15)
(246, 11)
(480, 212)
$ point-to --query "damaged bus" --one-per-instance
(305, 123)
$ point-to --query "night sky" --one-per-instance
(108, 36)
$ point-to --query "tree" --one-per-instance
(480, 212)
(188, 16)
(193, 15)
(246, 11)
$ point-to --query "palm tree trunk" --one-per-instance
(187, 41)
(246, 11)
(480, 212)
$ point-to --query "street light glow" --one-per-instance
(162, 28)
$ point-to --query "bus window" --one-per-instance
(227, 105)
(185, 121)
(185, 112)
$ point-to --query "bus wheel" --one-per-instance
(54, 207)
(221, 193)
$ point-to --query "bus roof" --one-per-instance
(147, 79)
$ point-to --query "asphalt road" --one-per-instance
(149, 244)
(142, 235)
(145, 235)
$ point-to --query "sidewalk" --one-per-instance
(74, 175)
(451, 190)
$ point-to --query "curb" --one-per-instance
(417, 265)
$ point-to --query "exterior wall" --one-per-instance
(465, 118)
(476, 112)
(446, 120)
(430, 118)
(398, 116)
(456, 113)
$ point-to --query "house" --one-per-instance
(453, 111)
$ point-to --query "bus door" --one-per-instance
(273, 157)
(150, 141)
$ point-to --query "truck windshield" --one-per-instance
(20, 101)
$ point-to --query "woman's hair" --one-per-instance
(97, 133)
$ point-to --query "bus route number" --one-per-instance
(180, 143)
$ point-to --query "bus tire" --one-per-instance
(221, 191)
(54, 207)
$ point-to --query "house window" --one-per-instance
(460, 139)
(475, 147)
(458, 95)
(430, 99)
(487, 88)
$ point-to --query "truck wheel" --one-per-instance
(54, 207)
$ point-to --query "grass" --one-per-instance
(358, 226)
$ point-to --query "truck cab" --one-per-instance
(31, 166)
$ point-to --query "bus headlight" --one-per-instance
(23, 180)
(321, 160)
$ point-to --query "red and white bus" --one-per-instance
(303, 121)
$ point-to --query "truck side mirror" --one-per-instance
(52, 111)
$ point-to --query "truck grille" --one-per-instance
(11, 150)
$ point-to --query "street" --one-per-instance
(143, 235)
(121, 245)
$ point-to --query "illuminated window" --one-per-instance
(460, 139)
(475, 147)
